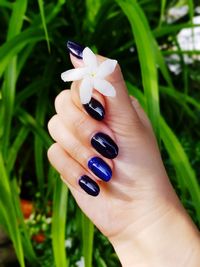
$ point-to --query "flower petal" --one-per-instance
(106, 68)
(104, 87)
(90, 59)
(73, 74)
(86, 88)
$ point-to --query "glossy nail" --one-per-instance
(89, 186)
(105, 145)
(75, 49)
(100, 168)
(95, 109)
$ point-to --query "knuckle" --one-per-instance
(82, 124)
(77, 152)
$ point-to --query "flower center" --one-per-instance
(93, 74)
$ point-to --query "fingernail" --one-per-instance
(75, 49)
(95, 109)
(89, 186)
(105, 145)
(100, 168)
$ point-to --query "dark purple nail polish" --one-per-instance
(100, 168)
(89, 186)
(75, 49)
(95, 109)
(105, 145)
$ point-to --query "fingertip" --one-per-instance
(76, 62)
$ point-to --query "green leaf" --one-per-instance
(38, 143)
(15, 25)
(87, 239)
(29, 91)
(59, 222)
(16, 44)
(9, 218)
(92, 9)
(191, 9)
(41, 7)
(17, 17)
(25, 237)
(182, 99)
(15, 147)
(36, 128)
(145, 48)
(162, 12)
(185, 174)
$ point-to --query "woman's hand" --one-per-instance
(137, 208)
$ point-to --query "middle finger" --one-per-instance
(89, 131)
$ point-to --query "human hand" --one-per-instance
(134, 208)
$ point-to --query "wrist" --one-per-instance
(170, 240)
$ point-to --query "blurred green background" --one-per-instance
(157, 44)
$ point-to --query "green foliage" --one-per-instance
(145, 46)
(137, 35)
(58, 223)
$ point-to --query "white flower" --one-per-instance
(92, 75)
(68, 243)
(81, 262)
(177, 12)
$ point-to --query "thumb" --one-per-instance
(119, 111)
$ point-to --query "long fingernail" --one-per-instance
(95, 109)
(75, 49)
(89, 186)
(105, 145)
(100, 168)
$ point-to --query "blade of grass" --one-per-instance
(29, 91)
(186, 52)
(17, 17)
(35, 127)
(3, 218)
(8, 93)
(162, 12)
(161, 64)
(51, 183)
(23, 56)
(182, 100)
(59, 222)
(4, 3)
(191, 9)
(143, 39)
(170, 29)
(15, 25)
(10, 217)
(15, 45)
(185, 174)
(38, 144)
(101, 262)
(87, 239)
(92, 9)
(26, 241)
(41, 7)
(180, 97)
(15, 147)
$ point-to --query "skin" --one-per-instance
(137, 209)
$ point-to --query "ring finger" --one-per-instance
(81, 153)
(71, 172)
